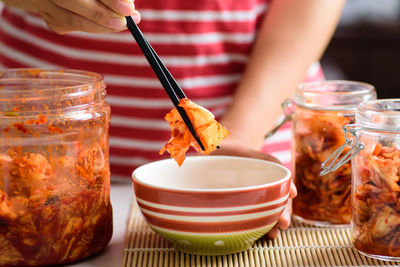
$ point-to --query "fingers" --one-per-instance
(293, 190)
(122, 7)
(234, 148)
(136, 16)
(63, 21)
(94, 11)
(284, 220)
(273, 233)
(262, 155)
(269, 158)
(93, 16)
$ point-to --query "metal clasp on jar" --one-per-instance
(334, 161)
(288, 112)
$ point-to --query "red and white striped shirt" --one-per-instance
(205, 45)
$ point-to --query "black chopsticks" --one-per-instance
(172, 88)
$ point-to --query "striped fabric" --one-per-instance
(205, 44)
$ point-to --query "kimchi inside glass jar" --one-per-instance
(375, 225)
(321, 111)
(54, 169)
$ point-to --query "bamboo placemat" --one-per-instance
(300, 245)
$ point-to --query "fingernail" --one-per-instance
(125, 8)
(117, 23)
(136, 16)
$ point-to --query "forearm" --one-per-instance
(293, 35)
(23, 4)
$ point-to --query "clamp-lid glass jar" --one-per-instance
(375, 142)
(54, 170)
(322, 109)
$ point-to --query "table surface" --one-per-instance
(300, 245)
(121, 199)
(297, 246)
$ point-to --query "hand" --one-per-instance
(94, 16)
(234, 147)
(284, 220)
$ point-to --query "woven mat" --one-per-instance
(300, 245)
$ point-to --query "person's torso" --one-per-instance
(205, 45)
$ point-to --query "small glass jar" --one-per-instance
(54, 169)
(375, 226)
(321, 111)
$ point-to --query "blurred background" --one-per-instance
(366, 46)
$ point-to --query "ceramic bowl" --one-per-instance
(212, 205)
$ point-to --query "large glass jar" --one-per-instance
(375, 227)
(54, 170)
(321, 111)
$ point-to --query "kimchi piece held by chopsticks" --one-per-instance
(209, 131)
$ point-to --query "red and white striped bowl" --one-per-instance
(212, 205)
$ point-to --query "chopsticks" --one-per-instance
(172, 88)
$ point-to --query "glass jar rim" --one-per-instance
(333, 94)
(45, 73)
(379, 115)
(25, 92)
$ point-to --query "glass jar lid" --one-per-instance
(379, 115)
(334, 94)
